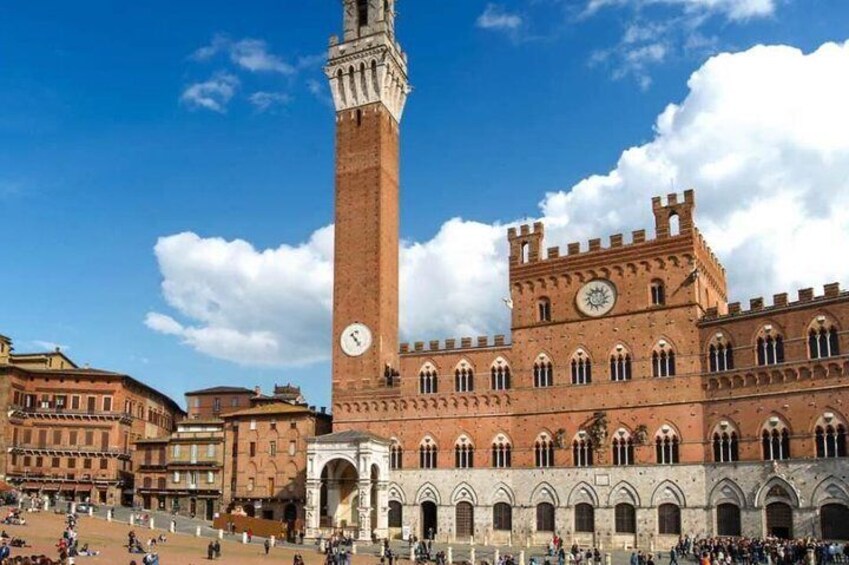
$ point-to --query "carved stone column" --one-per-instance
(312, 509)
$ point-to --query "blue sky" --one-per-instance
(102, 152)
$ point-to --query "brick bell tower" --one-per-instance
(368, 79)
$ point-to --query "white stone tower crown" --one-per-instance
(368, 66)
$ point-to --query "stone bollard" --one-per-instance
(90, 511)
(607, 559)
(197, 532)
(322, 547)
(244, 537)
(450, 555)
(353, 548)
(522, 557)
(173, 527)
(152, 524)
(73, 508)
(46, 504)
(528, 541)
(220, 533)
(472, 556)
(497, 556)
(472, 539)
(412, 554)
(132, 519)
(272, 541)
(109, 515)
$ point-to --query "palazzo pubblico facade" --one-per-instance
(632, 404)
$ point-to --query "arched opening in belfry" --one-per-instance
(674, 225)
(339, 496)
(362, 12)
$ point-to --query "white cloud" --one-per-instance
(761, 136)
(653, 36)
(248, 53)
(732, 9)
(213, 94)
(496, 17)
(264, 101)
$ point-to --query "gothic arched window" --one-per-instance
(544, 451)
(582, 368)
(775, 440)
(663, 360)
(725, 443)
(666, 446)
(543, 372)
(582, 450)
(428, 379)
(464, 453)
(501, 452)
(620, 364)
(623, 448)
(830, 435)
(720, 354)
(427, 454)
(769, 346)
(396, 456)
(464, 377)
(500, 373)
(823, 339)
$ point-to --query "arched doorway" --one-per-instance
(779, 520)
(834, 521)
(429, 528)
(339, 496)
(465, 520)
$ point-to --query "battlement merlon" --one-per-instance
(526, 241)
(451, 345)
(757, 306)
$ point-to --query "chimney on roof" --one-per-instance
(257, 390)
(324, 409)
(312, 408)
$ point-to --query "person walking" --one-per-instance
(673, 556)
(210, 551)
(217, 548)
(267, 545)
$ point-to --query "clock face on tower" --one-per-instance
(355, 339)
(596, 298)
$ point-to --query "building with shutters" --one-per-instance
(68, 431)
(632, 404)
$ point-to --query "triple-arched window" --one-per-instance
(663, 360)
(500, 375)
(501, 452)
(725, 443)
(427, 454)
(830, 435)
(582, 450)
(464, 377)
(544, 451)
(775, 440)
(623, 448)
(620, 364)
(464, 453)
(769, 347)
(428, 379)
(720, 354)
(582, 368)
(666, 445)
(823, 340)
(543, 372)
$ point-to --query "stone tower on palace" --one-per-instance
(368, 79)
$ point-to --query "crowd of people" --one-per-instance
(748, 551)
